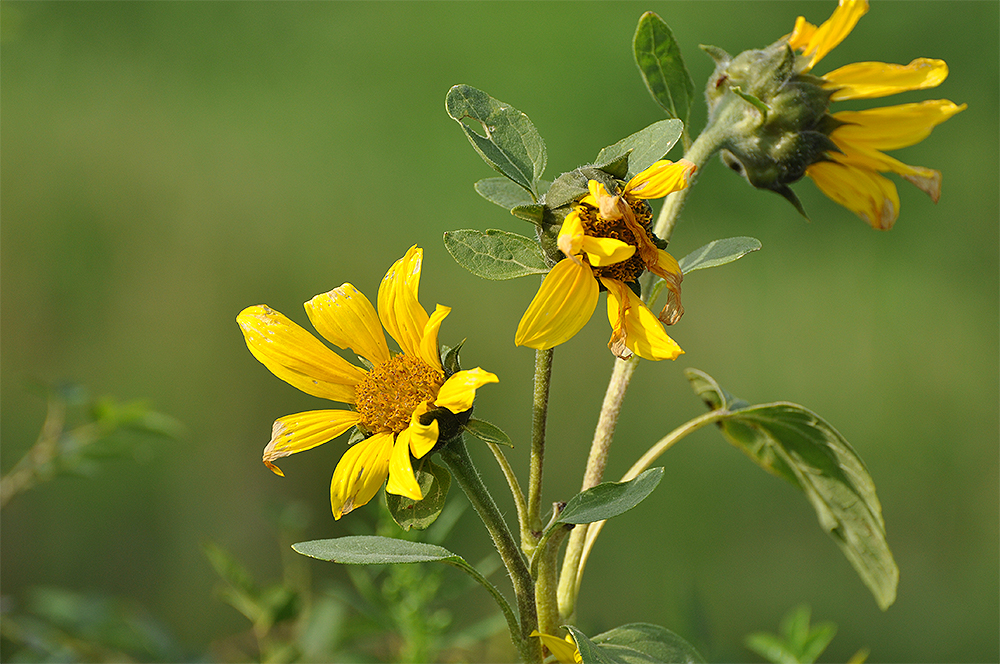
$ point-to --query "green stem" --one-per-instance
(515, 490)
(545, 565)
(707, 144)
(456, 456)
(532, 530)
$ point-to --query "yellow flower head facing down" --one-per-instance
(607, 242)
(852, 177)
(388, 400)
(564, 650)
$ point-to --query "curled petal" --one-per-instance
(571, 236)
(668, 269)
(926, 179)
(860, 190)
(403, 317)
(402, 481)
(304, 431)
(297, 357)
(360, 473)
(892, 127)
(606, 250)
(345, 317)
(459, 391)
(429, 350)
(634, 327)
(660, 179)
(422, 439)
(869, 80)
(561, 307)
(815, 43)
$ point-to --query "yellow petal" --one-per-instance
(570, 239)
(634, 327)
(669, 270)
(660, 179)
(561, 307)
(868, 80)
(801, 34)
(564, 650)
(825, 38)
(860, 190)
(606, 250)
(892, 127)
(402, 482)
(304, 431)
(422, 438)
(297, 357)
(345, 317)
(926, 179)
(459, 390)
(360, 473)
(403, 317)
(430, 352)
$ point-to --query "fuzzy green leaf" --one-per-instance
(502, 135)
(719, 252)
(662, 67)
(643, 148)
(610, 498)
(434, 483)
(495, 254)
(506, 193)
(658, 643)
(798, 445)
(490, 433)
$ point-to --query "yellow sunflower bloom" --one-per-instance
(607, 241)
(564, 650)
(388, 399)
(852, 177)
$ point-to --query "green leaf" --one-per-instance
(657, 643)
(752, 100)
(533, 213)
(495, 254)
(491, 433)
(434, 483)
(450, 360)
(590, 652)
(795, 443)
(505, 193)
(798, 643)
(610, 498)
(643, 148)
(501, 134)
(662, 67)
(719, 252)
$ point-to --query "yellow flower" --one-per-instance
(852, 176)
(564, 650)
(607, 241)
(388, 399)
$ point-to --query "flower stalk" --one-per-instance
(532, 530)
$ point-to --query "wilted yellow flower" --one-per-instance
(607, 241)
(564, 650)
(852, 177)
(388, 399)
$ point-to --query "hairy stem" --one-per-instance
(532, 530)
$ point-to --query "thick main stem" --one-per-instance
(532, 530)
(456, 456)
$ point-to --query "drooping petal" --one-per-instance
(603, 251)
(571, 234)
(429, 349)
(297, 357)
(866, 193)
(564, 650)
(815, 43)
(561, 307)
(893, 127)
(304, 431)
(402, 316)
(360, 473)
(422, 437)
(459, 390)
(402, 481)
(869, 80)
(345, 317)
(662, 178)
(634, 327)
(926, 179)
(669, 270)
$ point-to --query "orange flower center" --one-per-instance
(390, 392)
(595, 225)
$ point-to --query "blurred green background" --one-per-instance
(166, 164)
